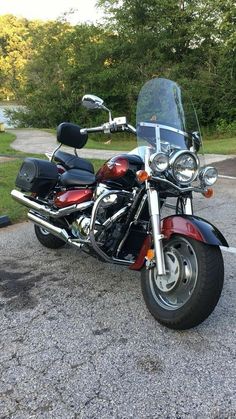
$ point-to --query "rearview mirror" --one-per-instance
(92, 102)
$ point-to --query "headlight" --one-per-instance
(184, 165)
(208, 176)
(159, 162)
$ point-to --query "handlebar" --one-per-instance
(110, 127)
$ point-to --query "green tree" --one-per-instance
(192, 42)
(15, 50)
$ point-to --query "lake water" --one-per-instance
(3, 118)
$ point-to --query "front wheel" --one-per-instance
(191, 288)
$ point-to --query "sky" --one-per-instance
(46, 9)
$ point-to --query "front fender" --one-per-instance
(187, 225)
(194, 227)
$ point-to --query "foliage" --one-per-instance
(15, 52)
(224, 127)
(191, 41)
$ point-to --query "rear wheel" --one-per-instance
(47, 239)
(191, 288)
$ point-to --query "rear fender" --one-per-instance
(186, 225)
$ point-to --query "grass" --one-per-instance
(8, 173)
(5, 141)
(220, 146)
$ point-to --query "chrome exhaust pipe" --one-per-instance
(56, 231)
(29, 202)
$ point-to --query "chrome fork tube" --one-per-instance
(188, 207)
(154, 208)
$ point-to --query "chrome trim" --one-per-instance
(54, 151)
(140, 208)
(188, 207)
(61, 233)
(124, 238)
(151, 124)
(176, 154)
(30, 203)
(203, 172)
(174, 157)
(131, 129)
(154, 209)
(56, 231)
(115, 216)
(188, 189)
(153, 163)
(92, 226)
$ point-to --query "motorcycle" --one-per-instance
(116, 215)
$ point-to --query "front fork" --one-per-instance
(154, 210)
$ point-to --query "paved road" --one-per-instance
(76, 340)
(37, 141)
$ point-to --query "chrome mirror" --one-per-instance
(95, 102)
(92, 102)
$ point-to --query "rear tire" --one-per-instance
(187, 295)
(47, 239)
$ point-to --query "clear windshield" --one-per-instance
(166, 119)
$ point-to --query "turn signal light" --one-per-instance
(150, 254)
(208, 193)
(142, 175)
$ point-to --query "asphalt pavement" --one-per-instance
(76, 339)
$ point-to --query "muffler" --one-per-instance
(61, 233)
(56, 231)
(29, 202)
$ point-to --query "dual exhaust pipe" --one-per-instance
(43, 210)
(31, 203)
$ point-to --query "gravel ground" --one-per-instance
(76, 340)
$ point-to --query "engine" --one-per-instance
(109, 220)
(80, 227)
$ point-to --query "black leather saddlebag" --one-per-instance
(38, 176)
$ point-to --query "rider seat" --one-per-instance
(72, 162)
(76, 177)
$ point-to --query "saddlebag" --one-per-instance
(36, 175)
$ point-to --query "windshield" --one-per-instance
(166, 119)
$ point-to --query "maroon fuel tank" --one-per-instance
(120, 170)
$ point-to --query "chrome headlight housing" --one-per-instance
(208, 176)
(184, 167)
(159, 162)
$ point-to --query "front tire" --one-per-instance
(47, 239)
(190, 290)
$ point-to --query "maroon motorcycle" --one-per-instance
(119, 214)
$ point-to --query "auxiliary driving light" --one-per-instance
(159, 162)
(208, 175)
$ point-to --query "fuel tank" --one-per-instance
(120, 170)
(75, 196)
